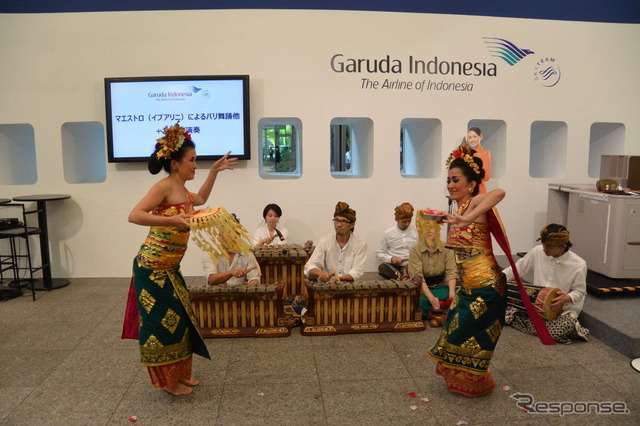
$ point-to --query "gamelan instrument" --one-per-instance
(362, 306)
(240, 311)
(283, 262)
(540, 296)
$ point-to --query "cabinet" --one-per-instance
(605, 228)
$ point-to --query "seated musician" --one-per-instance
(241, 269)
(393, 248)
(338, 256)
(271, 233)
(554, 265)
(434, 265)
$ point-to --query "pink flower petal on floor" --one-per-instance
(425, 399)
(133, 419)
(506, 388)
(260, 393)
(411, 394)
(408, 356)
(462, 422)
(413, 407)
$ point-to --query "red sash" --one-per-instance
(130, 325)
(496, 228)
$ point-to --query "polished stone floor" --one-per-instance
(62, 363)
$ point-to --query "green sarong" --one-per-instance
(167, 332)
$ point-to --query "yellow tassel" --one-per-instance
(216, 232)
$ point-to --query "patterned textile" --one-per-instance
(564, 329)
(167, 331)
(167, 376)
(476, 316)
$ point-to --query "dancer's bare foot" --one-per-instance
(179, 389)
(190, 382)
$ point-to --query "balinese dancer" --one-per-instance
(159, 313)
(476, 316)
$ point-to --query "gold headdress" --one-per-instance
(424, 222)
(466, 153)
(173, 139)
(555, 239)
(218, 233)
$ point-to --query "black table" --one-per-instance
(47, 282)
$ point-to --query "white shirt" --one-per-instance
(328, 255)
(240, 260)
(567, 272)
(395, 242)
(263, 232)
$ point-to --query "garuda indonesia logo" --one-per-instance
(505, 50)
(195, 89)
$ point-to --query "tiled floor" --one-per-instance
(62, 363)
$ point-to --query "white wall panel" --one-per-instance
(54, 64)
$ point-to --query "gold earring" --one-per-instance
(470, 190)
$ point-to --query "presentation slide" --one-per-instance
(213, 111)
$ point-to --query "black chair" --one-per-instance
(13, 261)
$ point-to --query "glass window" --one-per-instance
(420, 147)
(18, 159)
(548, 149)
(351, 147)
(494, 140)
(402, 167)
(604, 139)
(83, 155)
(279, 148)
(340, 148)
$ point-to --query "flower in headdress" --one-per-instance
(464, 152)
(173, 139)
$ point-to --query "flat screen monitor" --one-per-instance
(214, 109)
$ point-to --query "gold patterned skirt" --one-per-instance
(167, 332)
(473, 325)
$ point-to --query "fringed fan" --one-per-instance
(218, 233)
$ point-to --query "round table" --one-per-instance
(47, 283)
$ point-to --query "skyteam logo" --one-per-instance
(203, 93)
(547, 72)
(505, 50)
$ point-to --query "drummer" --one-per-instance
(240, 269)
(554, 265)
